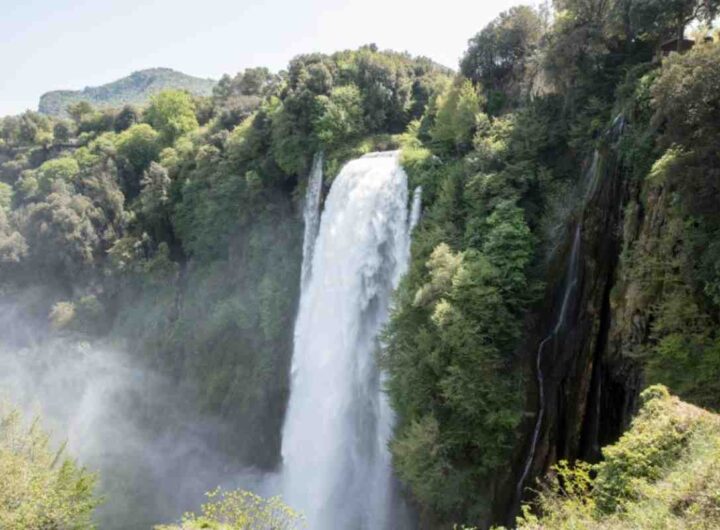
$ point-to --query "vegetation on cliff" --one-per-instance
(174, 230)
(505, 157)
(670, 279)
(664, 472)
(174, 227)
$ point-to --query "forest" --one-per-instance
(552, 354)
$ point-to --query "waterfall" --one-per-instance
(591, 183)
(570, 285)
(311, 215)
(592, 176)
(416, 208)
(336, 465)
(593, 173)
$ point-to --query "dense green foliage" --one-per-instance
(40, 488)
(135, 89)
(499, 154)
(675, 262)
(239, 510)
(663, 473)
(176, 227)
(449, 352)
(495, 56)
(172, 114)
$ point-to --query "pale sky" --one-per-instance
(69, 44)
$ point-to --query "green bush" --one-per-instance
(239, 510)
(41, 488)
(663, 473)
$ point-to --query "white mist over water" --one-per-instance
(336, 465)
(154, 451)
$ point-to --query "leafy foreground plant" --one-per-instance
(664, 473)
(240, 510)
(40, 488)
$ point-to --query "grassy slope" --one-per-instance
(664, 473)
(134, 89)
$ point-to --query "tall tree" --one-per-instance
(172, 114)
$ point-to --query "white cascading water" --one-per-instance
(336, 465)
(593, 176)
(416, 208)
(311, 216)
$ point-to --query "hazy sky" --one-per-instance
(69, 44)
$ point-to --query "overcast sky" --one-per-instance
(69, 44)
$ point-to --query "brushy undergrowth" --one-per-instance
(664, 473)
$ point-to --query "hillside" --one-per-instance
(662, 473)
(539, 246)
(134, 89)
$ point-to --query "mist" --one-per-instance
(155, 454)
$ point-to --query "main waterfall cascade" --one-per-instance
(336, 465)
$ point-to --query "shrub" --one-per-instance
(40, 488)
(239, 510)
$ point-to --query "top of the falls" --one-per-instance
(382, 154)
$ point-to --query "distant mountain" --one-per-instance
(134, 89)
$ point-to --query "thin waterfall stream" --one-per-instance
(416, 208)
(570, 286)
(591, 183)
(311, 216)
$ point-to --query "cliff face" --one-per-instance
(644, 308)
(225, 329)
(590, 384)
(662, 473)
